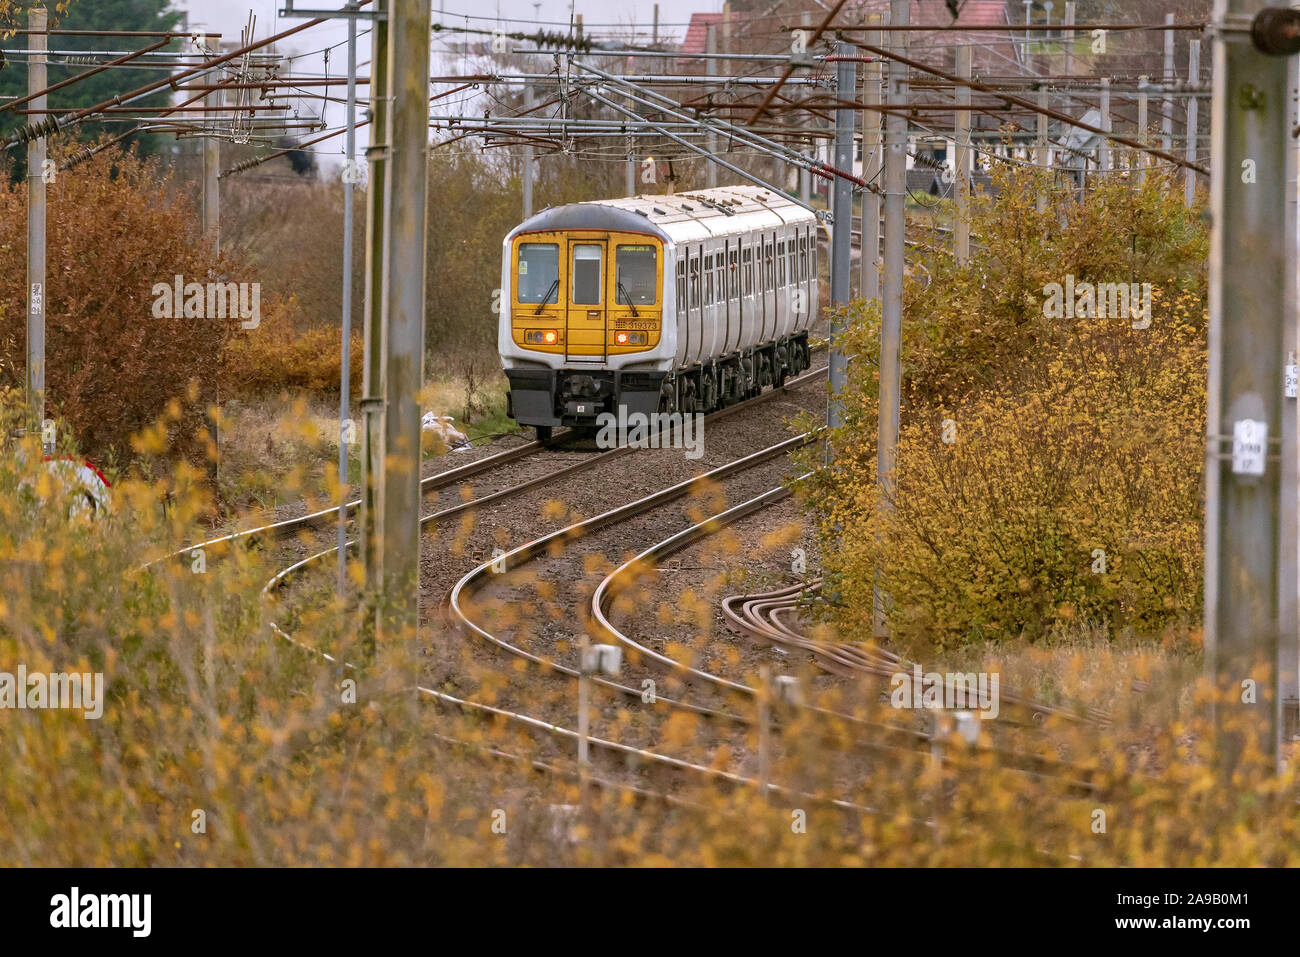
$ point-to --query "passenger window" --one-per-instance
(681, 283)
(747, 258)
(539, 273)
(694, 272)
(803, 258)
(780, 263)
(708, 280)
(635, 268)
(586, 274)
(734, 281)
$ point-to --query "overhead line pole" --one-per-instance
(841, 258)
(527, 156)
(36, 293)
(346, 437)
(372, 375)
(1193, 119)
(871, 165)
(891, 327)
(1168, 78)
(211, 215)
(962, 160)
(405, 207)
(1252, 306)
(711, 68)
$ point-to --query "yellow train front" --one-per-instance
(655, 303)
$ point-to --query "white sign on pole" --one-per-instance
(1249, 447)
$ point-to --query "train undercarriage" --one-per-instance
(546, 398)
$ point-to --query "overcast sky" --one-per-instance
(229, 17)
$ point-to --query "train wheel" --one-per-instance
(668, 399)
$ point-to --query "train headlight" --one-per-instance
(631, 338)
(542, 337)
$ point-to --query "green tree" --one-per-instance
(149, 15)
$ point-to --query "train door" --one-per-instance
(749, 308)
(768, 289)
(732, 282)
(584, 334)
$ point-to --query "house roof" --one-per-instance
(697, 33)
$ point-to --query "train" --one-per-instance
(655, 303)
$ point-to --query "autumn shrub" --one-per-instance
(1048, 469)
(281, 354)
(112, 363)
(220, 743)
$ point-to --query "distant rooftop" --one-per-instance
(697, 33)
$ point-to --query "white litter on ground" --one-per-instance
(440, 425)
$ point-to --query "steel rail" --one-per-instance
(758, 616)
(284, 575)
(552, 728)
(277, 530)
(640, 506)
(606, 592)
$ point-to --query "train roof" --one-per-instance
(681, 217)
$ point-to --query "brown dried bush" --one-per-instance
(112, 367)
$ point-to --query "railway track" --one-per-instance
(760, 616)
(319, 519)
(473, 469)
(902, 739)
(850, 658)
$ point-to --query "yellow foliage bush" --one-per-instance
(1048, 470)
(220, 744)
(280, 354)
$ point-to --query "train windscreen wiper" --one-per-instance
(546, 298)
(628, 299)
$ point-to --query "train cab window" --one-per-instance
(634, 267)
(681, 283)
(539, 273)
(586, 274)
(708, 280)
(780, 264)
(734, 282)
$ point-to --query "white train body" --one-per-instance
(658, 303)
